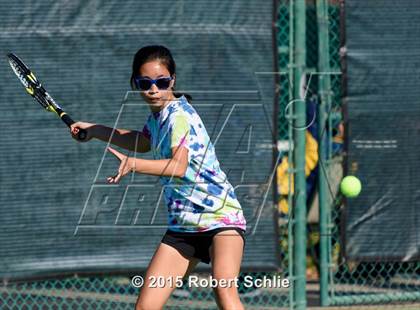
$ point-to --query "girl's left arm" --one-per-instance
(175, 166)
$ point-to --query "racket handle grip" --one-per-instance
(82, 134)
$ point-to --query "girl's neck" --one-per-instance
(158, 109)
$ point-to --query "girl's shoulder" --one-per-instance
(186, 106)
(182, 108)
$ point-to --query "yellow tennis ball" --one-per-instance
(350, 186)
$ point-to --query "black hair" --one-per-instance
(151, 53)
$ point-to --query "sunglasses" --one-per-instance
(145, 83)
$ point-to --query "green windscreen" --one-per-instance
(383, 110)
(57, 213)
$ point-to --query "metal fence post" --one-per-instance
(325, 102)
(299, 108)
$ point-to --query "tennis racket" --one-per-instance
(36, 90)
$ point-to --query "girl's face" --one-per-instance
(155, 97)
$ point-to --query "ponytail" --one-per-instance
(179, 95)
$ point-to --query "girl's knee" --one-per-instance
(228, 298)
(141, 305)
(149, 304)
(226, 290)
(227, 293)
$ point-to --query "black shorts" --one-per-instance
(196, 244)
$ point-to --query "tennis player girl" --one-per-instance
(205, 220)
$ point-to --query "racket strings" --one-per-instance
(20, 73)
(32, 85)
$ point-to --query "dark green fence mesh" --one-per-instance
(283, 35)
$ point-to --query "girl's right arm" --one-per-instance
(131, 140)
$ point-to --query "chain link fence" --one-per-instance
(117, 292)
(350, 283)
